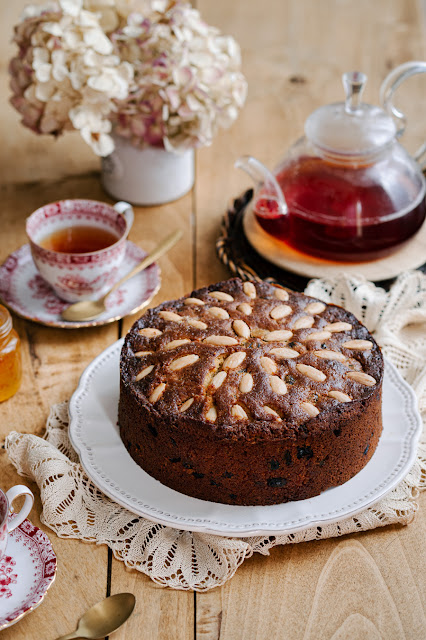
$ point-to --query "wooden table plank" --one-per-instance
(161, 613)
(369, 585)
(53, 360)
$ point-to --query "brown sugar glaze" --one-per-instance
(342, 214)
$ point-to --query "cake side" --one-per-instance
(233, 471)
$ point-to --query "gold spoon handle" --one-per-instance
(162, 248)
(70, 636)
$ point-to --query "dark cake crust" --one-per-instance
(235, 412)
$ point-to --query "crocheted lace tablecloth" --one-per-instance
(73, 507)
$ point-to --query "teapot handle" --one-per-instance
(264, 180)
(387, 90)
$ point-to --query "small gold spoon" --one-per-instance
(89, 309)
(104, 617)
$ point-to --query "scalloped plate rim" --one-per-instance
(205, 525)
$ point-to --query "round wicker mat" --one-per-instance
(235, 251)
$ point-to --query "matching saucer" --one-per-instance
(24, 291)
(27, 570)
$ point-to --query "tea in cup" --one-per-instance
(9, 524)
(79, 245)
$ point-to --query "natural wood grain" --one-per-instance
(160, 614)
(371, 585)
(365, 586)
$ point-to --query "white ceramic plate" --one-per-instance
(94, 434)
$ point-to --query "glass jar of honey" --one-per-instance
(10, 356)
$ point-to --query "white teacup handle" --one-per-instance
(126, 210)
(14, 492)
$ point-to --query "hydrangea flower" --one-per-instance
(150, 70)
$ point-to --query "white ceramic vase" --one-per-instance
(147, 176)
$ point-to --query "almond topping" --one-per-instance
(330, 355)
(271, 412)
(220, 341)
(358, 345)
(305, 322)
(245, 308)
(197, 323)
(157, 393)
(311, 372)
(170, 316)
(339, 395)
(150, 332)
(234, 360)
(218, 379)
(238, 412)
(282, 311)
(186, 405)
(241, 328)
(211, 414)
(176, 343)
(318, 335)
(144, 372)
(268, 365)
(277, 336)
(184, 361)
(140, 354)
(281, 294)
(285, 352)
(246, 383)
(249, 289)
(336, 327)
(309, 408)
(195, 301)
(218, 313)
(315, 307)
(362, 378)
(221, 295)
(278, 385)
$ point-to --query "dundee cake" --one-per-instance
(247, 393)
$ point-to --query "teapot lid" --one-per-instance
(350, 129)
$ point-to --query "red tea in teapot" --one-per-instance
(342, 213)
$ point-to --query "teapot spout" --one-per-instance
(266, 183)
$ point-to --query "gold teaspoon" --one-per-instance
(89, 309)
(104, 617)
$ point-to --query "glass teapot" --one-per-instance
(347, 191)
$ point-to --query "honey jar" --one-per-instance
(10, 356)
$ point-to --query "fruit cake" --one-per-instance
(247, 393)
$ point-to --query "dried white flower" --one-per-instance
(152, 68)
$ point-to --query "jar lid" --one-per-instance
(5, 321)
(350, 129)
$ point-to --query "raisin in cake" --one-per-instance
(246, 393)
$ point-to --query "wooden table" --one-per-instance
(371, 585)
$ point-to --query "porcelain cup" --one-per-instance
(79, 276)
(9, 524)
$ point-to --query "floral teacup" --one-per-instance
(79, 274)
(9, 524)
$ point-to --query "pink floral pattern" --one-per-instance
(43, 291)
(26, 572)
(25, 292)
(7, 576)
(79, 284)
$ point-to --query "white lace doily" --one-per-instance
(73, 507)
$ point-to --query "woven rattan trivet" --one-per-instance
(235, 251)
